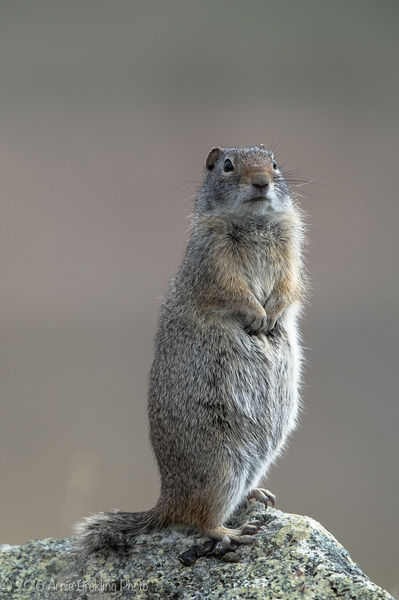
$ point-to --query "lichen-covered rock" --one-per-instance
(294, 557)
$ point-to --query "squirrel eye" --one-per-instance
(274, 165)
(228, 165)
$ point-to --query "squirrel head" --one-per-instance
(243, 182)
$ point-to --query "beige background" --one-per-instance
(107, 110)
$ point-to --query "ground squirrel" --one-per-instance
(223, 391)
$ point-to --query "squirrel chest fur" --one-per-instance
(223, 391)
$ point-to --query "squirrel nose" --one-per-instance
(260, 181)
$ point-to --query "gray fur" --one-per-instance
(223, 390)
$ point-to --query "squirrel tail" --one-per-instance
(115, 529)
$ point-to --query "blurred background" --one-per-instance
(107, 112)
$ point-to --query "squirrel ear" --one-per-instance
(213, 156)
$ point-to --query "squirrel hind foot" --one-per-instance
(233, 536)
(264, 496)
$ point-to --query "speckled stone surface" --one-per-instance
(294, 558)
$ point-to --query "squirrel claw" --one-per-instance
(251, 527)
(256, 522)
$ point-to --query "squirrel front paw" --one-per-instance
(256, 323)
(271, 323)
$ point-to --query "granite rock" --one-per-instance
(294, 558)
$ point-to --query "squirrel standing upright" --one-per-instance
(223, 392)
